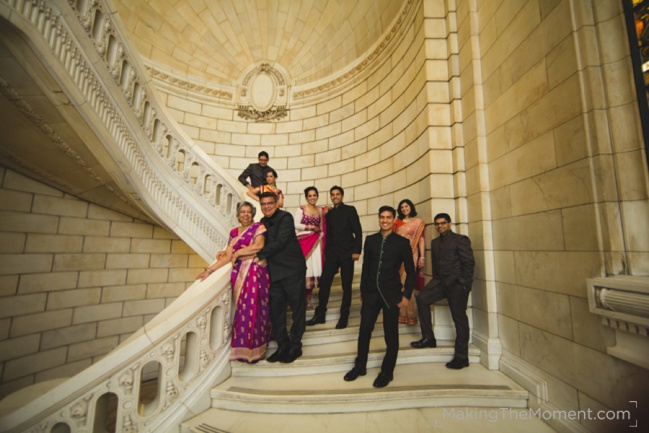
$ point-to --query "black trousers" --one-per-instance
(290, 292)
(370, 309)
(329, 270)
(457, 298)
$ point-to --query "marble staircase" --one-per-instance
(313, 385)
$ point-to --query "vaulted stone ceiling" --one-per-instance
(216, 40)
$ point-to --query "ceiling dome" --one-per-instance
(218, 39)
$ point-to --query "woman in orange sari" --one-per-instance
(271, 178)
(412, 229)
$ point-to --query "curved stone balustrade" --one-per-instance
(175, 180)
(184, 351)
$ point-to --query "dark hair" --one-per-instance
(311, 188)
(442, 215)
(270, 170)
(268, 194)
(247, 203)
(339, 188)
(388, 209)
(413, 212)
(263, 153)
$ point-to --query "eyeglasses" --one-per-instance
(440, 224)
(268, 203)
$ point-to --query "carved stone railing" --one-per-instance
(150, 383)
(176, 182)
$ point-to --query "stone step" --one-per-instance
(442, 419)
(414, 386)
(340, 356)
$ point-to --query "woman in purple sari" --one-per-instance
(250, 285)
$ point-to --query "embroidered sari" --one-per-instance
(312, 244)
(250, 287)
(413, 230)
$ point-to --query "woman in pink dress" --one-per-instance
(412, 229)
(310, 227)
(250, 286)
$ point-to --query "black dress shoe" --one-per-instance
(342, 323)
(315, 320)
(354, 373)
(424, 342)
(457, 363)
(277, 356)
(291, 356)
(382, 380)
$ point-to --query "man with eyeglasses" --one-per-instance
(287, 278)
(453, 265)
(256, 172)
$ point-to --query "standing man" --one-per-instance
(385, 253)
(287, 276)
(453, 265)
(256, 172)
(343, 248)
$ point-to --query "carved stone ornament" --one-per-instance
(262, 95)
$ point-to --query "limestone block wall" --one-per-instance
(557, 187)
(383, 134)
(76, 279)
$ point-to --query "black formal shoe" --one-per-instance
(316, 319)
(457, 363)
(278, 355)
(354, 373)
(424, 342)
(342, 323)
(291, 356)
(382, 380)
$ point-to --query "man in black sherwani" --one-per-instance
(385, 253)
(453, 265)
(342, 249)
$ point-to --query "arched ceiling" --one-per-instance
(216, 40)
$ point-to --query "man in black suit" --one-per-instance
(453, 266)
(342, 249)
(385, 253)
(288, 278)
(256, 172)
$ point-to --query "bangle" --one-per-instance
(208, 270)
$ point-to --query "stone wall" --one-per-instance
(76, 279)
(383, 135)
(557, 187)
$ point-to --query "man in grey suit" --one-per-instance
(453, 265)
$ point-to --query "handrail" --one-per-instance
(102, 75)
(187, 344)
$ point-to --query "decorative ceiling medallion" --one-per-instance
(262, 95)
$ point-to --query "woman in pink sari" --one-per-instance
(412, 229)
(250, 286)
(310, 228)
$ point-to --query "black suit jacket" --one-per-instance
(282, 248)
(453, 261)
(344, 233)
(256, 173)
(382, 259)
